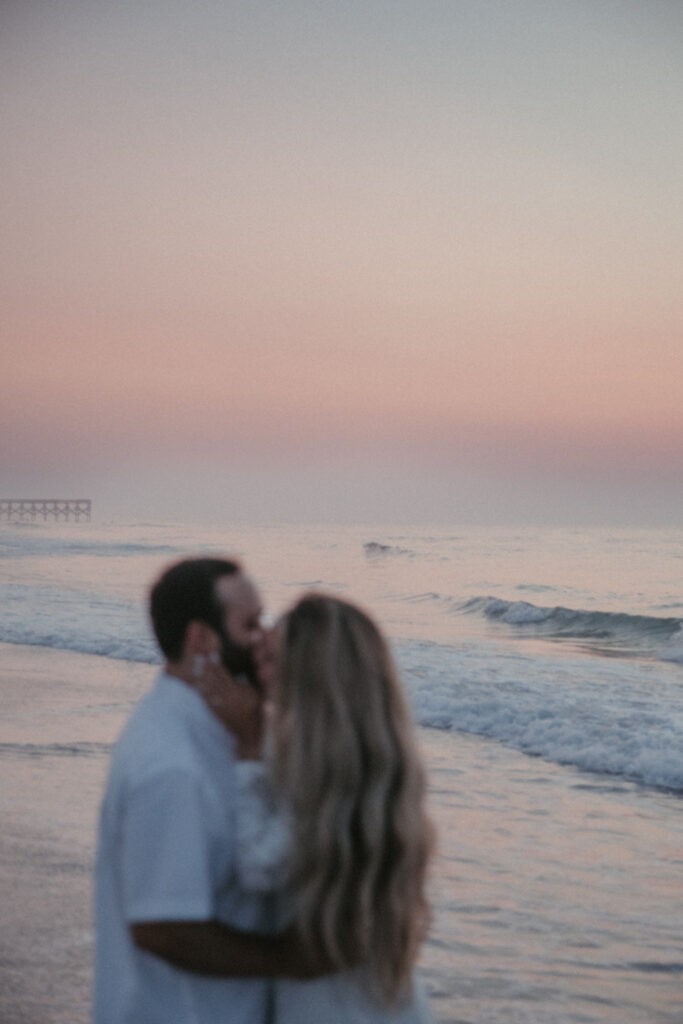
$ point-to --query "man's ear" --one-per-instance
(200, 638)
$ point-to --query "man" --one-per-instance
(171, 917)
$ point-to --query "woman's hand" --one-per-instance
(236, 703)
(267, 658)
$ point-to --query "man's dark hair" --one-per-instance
(183, 593)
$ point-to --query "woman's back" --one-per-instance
(347, 766)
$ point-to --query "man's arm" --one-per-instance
(209, 947)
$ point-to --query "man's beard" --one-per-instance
(238, 660)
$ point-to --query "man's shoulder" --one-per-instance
(157, 719)
(167, 734)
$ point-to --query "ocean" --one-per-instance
(545, 671)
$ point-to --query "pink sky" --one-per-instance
(303, 244)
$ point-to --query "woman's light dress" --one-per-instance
(264, 837)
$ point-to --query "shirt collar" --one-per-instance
(179, 691)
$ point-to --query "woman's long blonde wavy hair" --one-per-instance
(346, 762)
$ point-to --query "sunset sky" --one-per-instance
(413, 260)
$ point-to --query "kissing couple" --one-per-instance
(263, 842)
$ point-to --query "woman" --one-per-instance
(339, 828)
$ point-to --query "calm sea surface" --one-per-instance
(545, 668)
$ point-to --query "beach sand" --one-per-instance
(556, 894)
(55, 735)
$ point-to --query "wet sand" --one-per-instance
(557, 895)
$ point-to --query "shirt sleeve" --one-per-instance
(263, 831)
(168, 851)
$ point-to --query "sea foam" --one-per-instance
(595, 714)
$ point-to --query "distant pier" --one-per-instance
(27, 510)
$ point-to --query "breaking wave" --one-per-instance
(611, 632)
(374, 549)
